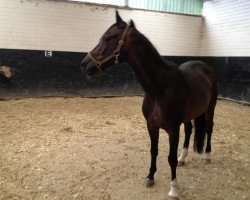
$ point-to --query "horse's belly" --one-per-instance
(197, 106)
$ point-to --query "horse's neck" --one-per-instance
(151, 70)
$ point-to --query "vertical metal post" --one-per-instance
(126, 3)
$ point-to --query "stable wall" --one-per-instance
(226, 28)
(226, 44)
(70, 30)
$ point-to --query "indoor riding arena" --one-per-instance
(71, 118)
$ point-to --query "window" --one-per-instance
(190, 7)
(110, 2)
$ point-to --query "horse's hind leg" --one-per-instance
(154, 137)
(209, 114)
(209, 130)
(188, 131)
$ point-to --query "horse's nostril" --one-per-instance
(83, 65)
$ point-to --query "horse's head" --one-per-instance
(110, 50)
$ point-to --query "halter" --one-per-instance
(116, 53)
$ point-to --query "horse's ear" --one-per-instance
(118, 18)
(132, 24)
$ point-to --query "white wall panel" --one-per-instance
(70, 26)
(226, 29)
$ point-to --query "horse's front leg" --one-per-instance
(172, 159)
(154, 137)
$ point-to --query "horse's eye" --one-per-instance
(107, 38)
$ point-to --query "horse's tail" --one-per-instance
(200, 133)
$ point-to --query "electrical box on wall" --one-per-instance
(48, 53)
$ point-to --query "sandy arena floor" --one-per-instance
(79, 148)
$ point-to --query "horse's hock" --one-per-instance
(99, 149)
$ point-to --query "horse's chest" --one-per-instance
(158, 114)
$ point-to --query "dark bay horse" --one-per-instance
(172, 95)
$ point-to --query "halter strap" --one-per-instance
(115, 54)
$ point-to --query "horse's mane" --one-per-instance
(147, 43)
(150, 50)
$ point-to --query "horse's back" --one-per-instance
(198, 72)
(195, 69)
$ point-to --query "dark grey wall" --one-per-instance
(233, 74)
(37, 75)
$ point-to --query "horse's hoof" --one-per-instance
(207, 161)
(173, 198)
(181, 163)
(149, 182)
